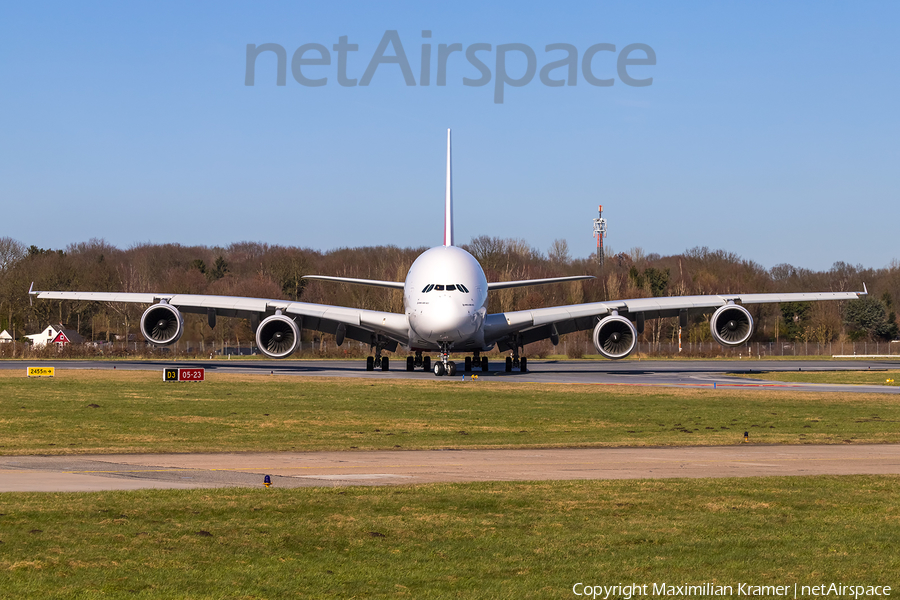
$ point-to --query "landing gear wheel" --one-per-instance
(509, 364)
(484, 364)
(385, 364)
(410, 363)
(439, 369)
(523, 365)
(451, 368)
(468, 365)
(370, 363)
(426, 363)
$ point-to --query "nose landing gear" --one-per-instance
(445, 366)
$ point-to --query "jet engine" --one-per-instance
(731, 325)
(162, 324)
(615, 337)
(278, 336)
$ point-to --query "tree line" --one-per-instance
(270, 271)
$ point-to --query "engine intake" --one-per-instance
(615, 337)
(278, 336)
(162, 324)
(731, 325)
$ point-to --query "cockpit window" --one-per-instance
(450, 287)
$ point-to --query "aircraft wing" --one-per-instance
(502, 285)
(496, 285)
(359, 324)
(397, 285)
(543, 323)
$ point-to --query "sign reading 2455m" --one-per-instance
(41, 371)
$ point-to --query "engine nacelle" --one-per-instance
(278, 336)
(162, 324)
(731, 325)
(615, 337)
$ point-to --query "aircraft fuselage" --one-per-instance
(445, 299)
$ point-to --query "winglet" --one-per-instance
(448, 201)
(865, 291)
(30, 294)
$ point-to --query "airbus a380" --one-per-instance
(445, 298)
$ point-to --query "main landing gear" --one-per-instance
(477, 361)
(514, 362)
(447, 367)
(378, 361)
(418, 361)
(443, 365)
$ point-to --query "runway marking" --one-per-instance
(244, 469)
(354, 477)
(546, 464)
(613, 461)
(679, 384)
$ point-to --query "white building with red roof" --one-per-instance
(55, 335)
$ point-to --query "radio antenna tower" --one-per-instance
(600, 233)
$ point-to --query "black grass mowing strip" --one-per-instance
(483, 540)
(129, 412)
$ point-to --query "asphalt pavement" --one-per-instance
(678, 373)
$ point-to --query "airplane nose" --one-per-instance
(449, 318)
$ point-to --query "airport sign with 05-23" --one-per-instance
(175, 374)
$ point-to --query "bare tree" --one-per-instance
(11, 252)
(559, 252)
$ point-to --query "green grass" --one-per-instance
(481, 540)
(485, 540)
(886, 378)
(129, 412)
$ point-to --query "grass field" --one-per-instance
(481, 540)
(886, 378)
(116, 411)
(489, 540)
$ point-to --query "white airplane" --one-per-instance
(445, 298)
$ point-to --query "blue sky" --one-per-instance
(770, 129)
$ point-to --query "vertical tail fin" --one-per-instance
(448, 201)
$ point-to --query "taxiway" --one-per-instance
(677, 373)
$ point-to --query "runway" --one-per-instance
(674, 373)
(329, 469)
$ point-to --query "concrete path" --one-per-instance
(306, 469)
